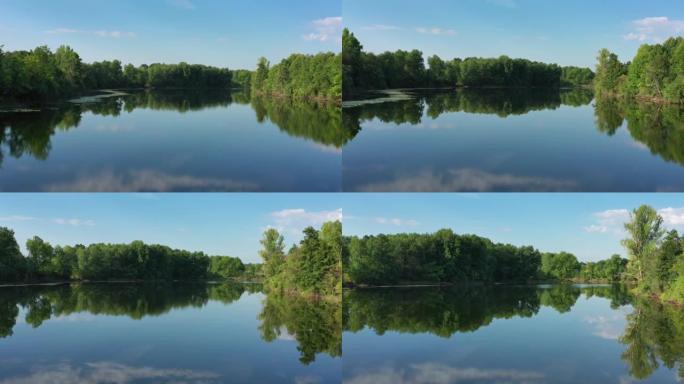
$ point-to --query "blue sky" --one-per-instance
(217, 224)
(588, 225)
(565, 32)
(214, 32)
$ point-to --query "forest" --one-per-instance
(655, 74)
(313, 267)
(40, 74)
(406, 69)
(135, 261)
(655, 264)
(300, 77)
(656, 256)
(447, 257)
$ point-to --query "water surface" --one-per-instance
(512, 140)
(506, 334)
(151, 333)
(179, 140)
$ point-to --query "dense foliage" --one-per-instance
(314, 266)
(656, 73)
(406, 69)
(656, 258)
(40, 74)
(134, 261)
(311, 77)
(439, 257)
(446, 257)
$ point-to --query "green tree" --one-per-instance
(644, 229)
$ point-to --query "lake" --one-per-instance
(510, 334)
(511, 140)
(150, 333)
(177, 140)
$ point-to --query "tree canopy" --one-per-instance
(655, 74)
(406, 69)
(40, 74)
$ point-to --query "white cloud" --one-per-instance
(435, 31)
(596, 228)
(59, 221)
(101, 32)
(110, 372)
(655, 29)
(114, 34)
(294, 220)
(380, 27)
(609, 221)
(74, 222)
(437, 373)
(613, 214)
(613, 220)
(467, 180)
(14, 218)
(57, 31)
(183, 4)
(396, 222)
(326, 29)
(672, 216)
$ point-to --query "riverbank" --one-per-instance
(128, 281)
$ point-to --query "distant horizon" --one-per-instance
(565, 33)
(208, 32)
(218, 225)
(590, 226)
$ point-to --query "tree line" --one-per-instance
(312, 267)
(656, 256)
(302, 77)
(40, 73)
(447, 257)
(656, 73)
(406, 69)
(134, 261)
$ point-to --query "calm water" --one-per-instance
(166, 333)
(172, 141)
(525, 334)
(513, 140)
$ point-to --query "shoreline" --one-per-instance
(124, 281)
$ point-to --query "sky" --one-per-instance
(229, 224)
(564, 32)
(224, 33)
(588, 225)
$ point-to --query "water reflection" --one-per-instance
(29, 133)
(512, 140)
(651, 334)
(499, 102)
(314, 325)
(660, 128)
(172, 141)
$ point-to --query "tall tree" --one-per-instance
(645, 231)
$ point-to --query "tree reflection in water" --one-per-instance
(29, 133)
(654, 333)
(314, 325)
